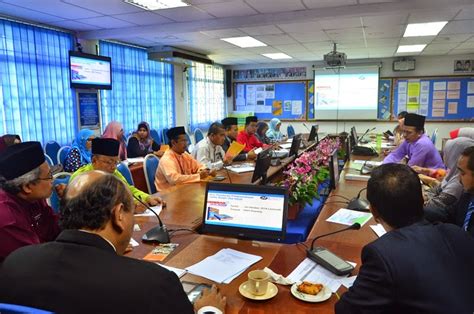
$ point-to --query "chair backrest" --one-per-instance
(62, 154)
(125, 171)
(188, 138)
(164, 136)
(198, 135)
(51, 149)
(291, 131)
(48, 160)
(434, 136)
(155, 136)
(58, 178)
(13, 309)
(149, 168)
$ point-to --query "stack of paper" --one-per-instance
(239, 168)
(308, 270)
(223, 266)
(178, 271)
(348, 217)
(378, 229)
(285, 145)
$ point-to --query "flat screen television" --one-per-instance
(90, 71)
(247, 211)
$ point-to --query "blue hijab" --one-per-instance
(272, 132)
(80, 143)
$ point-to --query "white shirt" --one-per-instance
(209, 154)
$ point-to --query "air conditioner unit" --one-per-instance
(335, 59)
(176, 55)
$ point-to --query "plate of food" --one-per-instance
(310, 292)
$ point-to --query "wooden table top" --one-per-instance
(184, 210)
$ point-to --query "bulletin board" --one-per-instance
(437, 98)
(282, 100)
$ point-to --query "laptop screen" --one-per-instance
(247, 211)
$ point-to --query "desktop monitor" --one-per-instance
(354, 137)
(347, 156)
(248, 211)
(295, 145)
(333, 170)
(262, 164)
(313, 134)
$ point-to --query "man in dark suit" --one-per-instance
(416, 267)
(84, 271)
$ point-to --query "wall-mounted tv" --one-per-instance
(90, 71)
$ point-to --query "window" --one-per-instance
(142, 89)
(206, 95)
(36, 100)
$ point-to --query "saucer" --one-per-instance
(271, 292)
(323, 295)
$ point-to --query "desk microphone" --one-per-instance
(158, 234)
(368, 130)
(354, 226)
(358, 203)
(225, 168)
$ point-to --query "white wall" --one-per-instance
(425, 66)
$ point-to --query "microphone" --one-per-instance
(358, 203)
(304, 124)
(354, 226)
(368, 130)
(158, 234)
(225, 168)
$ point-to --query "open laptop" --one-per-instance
(248, 211)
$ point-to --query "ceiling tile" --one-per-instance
(340, 23)
(458, 27)
(274, 6)
(106, 22)
(184, 14)
(345, 34)
(32, 15)
(138, 41)
(224, 33)
(466, 13)
(384, 32)
(466, 45)
(416, 40)
(55, 7)
(276, 39)
(316, 4)
(75, 26)
(302, 28)
(310, 37)
(382, 42)
(376, 1)
(424, 16)
(440, 47)
(458, 38)
(261, 30)
(226, 9)
(291, 48)
(194, 36)
(105, 7)
(384, 20)
(143, 18)
(461, 51)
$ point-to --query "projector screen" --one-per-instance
(347, 94)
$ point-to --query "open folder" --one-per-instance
(234, 149)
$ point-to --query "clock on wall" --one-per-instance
(404, 65)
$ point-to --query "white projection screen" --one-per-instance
(346, 94)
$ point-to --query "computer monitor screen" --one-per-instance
(295, 145)
(262, 164)
(313, 134)
(354, 138)
(90, 71)
(334, 170)
(248, 211)
(348, 149)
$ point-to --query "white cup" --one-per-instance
(258, 282)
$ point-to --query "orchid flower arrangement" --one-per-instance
(311, 168)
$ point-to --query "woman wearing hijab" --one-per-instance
(114, 130)
(462, 132)
(274, 132)
(141, 143)
(262, 128)
(443, 195)
(80, 152)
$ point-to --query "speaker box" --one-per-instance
(228, 83)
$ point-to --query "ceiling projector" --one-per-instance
(335, 59)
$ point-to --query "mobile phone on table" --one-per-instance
(194, 290)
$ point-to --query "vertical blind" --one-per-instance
(36, 100)
(206, 95)
(142, 89)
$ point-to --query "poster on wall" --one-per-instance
(269, 73)
(463, 66)
(88, 104)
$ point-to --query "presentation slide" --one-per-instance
(245, 210)
(346, 93)
(90, 71)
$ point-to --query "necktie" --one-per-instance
(467, 219)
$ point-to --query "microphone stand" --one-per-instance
(354, 226)
(225, 168)
(158, 234)
(362, 137)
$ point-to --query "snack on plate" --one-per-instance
(310, 288)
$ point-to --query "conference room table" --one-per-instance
(184, 211)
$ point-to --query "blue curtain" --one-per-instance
(206, 95)
(142, 90)
(36, 100)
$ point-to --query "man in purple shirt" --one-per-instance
(25, 184)
(417, 146)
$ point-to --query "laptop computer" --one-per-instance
(248, 211)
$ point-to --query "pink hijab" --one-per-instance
(112, 130)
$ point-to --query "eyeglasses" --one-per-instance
(48, 178)
(110, 163)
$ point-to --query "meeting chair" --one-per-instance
(62, 154)
(51, 149)
(14, 309)
(149, 168)
(198, 135)
(291, 131)
(125, 171)
(58, 178)
(164, 136)
(48, 160)
(155, 136)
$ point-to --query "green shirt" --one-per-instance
(136, 192)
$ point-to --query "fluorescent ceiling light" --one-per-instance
(410, 48)
(424, 29)
(244, 42)
(276, 56)
(157, 4)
